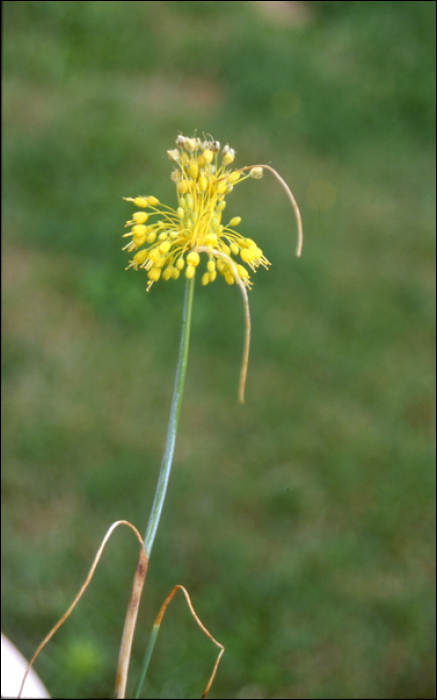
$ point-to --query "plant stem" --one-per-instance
(167, 458)
(129, 625)
(158, 502)
(146, 661)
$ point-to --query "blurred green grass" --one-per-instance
(302, 523)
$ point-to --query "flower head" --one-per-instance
(167, 241)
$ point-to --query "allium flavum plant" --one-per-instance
(165, 242)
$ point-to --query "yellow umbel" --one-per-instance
(165, 241)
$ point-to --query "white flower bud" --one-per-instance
(174, 155)
(256, 173)
(190, 145)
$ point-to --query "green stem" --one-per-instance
(146, 661)
(158, 503)
(175, 410)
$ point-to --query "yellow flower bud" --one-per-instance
(246, 255)
(140, 201)
(189, 272)
(233, 177)
(211, 239)
(140, 256)
(154, 274)
(140, 217)
(235, 221)
(155, 256)
(139, 239)
(183, 186)
(193, 258)
(139, 230)
(151, 237)
(222, 187)
(193, 170)
(203, 183)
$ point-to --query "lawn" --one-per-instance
(302, 522)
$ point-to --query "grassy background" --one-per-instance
(302, 523)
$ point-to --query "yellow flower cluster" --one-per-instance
(168, 241)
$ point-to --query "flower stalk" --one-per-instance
(165, 242)
(175, 410)
(173, 243)
(158, 503)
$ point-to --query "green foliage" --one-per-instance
(302, 523)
